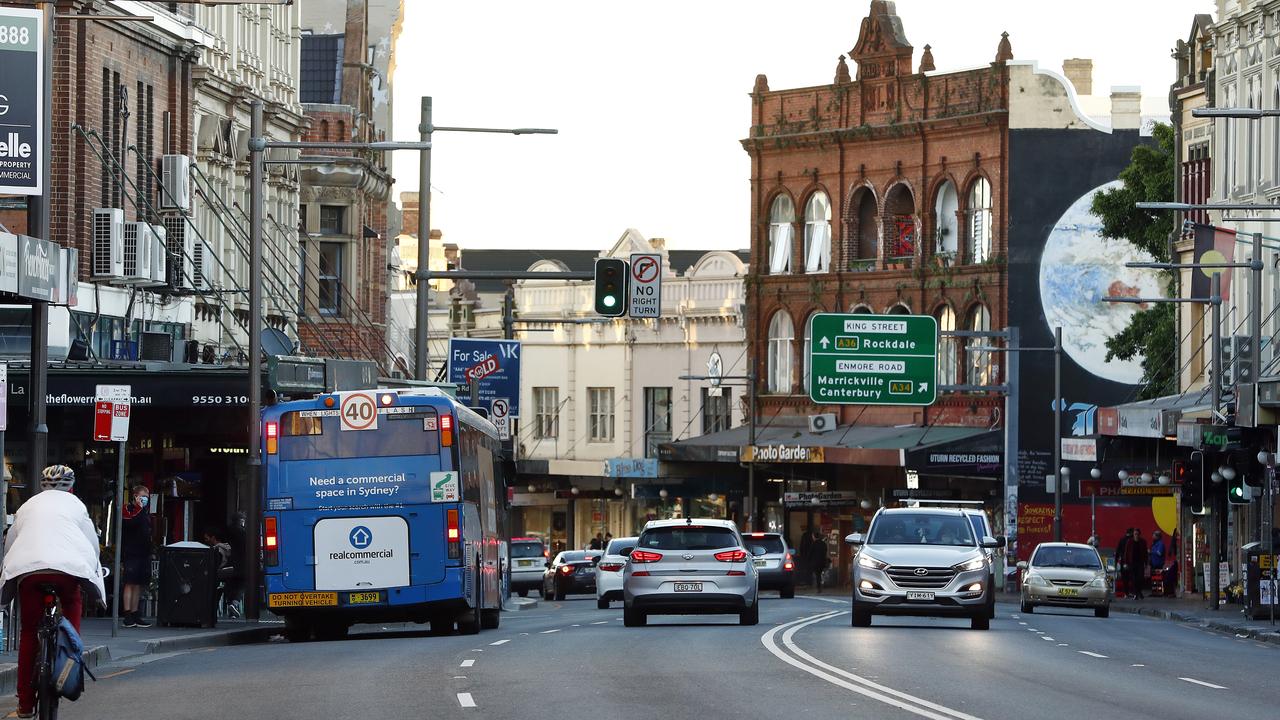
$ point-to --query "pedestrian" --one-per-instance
(806, 540)
(1136, 563)
(818, 558)
(596, 542)
(1157, 552)
(608, 538)
(52, 542)
(1122, 554)
(135, 555)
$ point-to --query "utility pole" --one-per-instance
(38, 225)
(1059, 475)
(253, 510)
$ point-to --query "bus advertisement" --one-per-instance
(382, 506)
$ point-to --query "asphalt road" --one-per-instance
(569, 659)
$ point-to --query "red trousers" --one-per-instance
(31, 607)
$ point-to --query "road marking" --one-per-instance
(1022, 623)
(459, 677)
(500, 642)
(575, 625)
(1205, 684)
(601, 622)
(468, 663)
(835, 601)
(465, 700)
(117, 673)
(1032, 630)
(1046, 637)
(1137, 665)
(1062, 645)
(861, 685)
(1091, 654)
(548, 632)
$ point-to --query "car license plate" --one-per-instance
(302, 599)
(761, 563)
(528, 563)
(364, 598)
(1068, 591)
(688, 587)
(918, 595)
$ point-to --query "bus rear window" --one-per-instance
(316, 436)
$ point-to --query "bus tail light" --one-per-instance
(273, 437)
(446, 430)
(452, 535)
(270, 541)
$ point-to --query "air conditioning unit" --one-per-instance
(825, 422)
(180, 241)
(159, 266)
(156, 346)
(175, 182)
(137, 252)
(108, 244)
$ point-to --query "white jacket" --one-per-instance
(52, 532)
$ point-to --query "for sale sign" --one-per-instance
(21, 95)
(645, 288)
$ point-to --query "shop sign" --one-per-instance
(1080, 449)
(1140, 422)
(631, 467)
(1220, 437)
(1188, 434)
(8, 262)
(925, 493)
(38, 265)
(783, 454)
(802, 499)
(21, 114)
(1104, 489)
(531, 499)
(1108, 421)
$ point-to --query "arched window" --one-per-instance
(978, 362)
(861, 309)
(806, 368)
(866, 232)
(980, 221)
(899, 223)
(782, 334)
(781, 218)
(946, 225)
(898, 309)
(817, 234)
(948, 351)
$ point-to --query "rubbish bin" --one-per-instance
(188, 585)
(1260, 571)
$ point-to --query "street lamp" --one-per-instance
(1095, 473)
(1146, 477)
(1163, 479)
(1227, 472)
(1123, 475)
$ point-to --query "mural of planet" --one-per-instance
(1078, 268)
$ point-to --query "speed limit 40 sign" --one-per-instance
(359, 412)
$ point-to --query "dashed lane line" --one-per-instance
(835, 601)
(1092, 654)
(548, 632)
(499, 642)
(600, 622)
(468, 663)
(465, 700)
(1203, 683)
(1046, 637)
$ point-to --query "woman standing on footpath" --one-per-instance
(135, 555)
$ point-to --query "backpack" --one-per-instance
(68, 663)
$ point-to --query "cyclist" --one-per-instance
(52, 542)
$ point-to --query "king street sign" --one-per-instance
(21, 101)
(873, 359)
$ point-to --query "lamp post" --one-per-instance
(426, 130)
(1268, 460)
(750, 379)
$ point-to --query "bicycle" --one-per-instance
(46, 651)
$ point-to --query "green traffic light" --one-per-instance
(610, 301)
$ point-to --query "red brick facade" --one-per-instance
(881, 147)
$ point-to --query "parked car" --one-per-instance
(528, 563)
(917, 561)
(689, 566)
(572, 572)
(1066, 575)
(609, 571)
(775, 565)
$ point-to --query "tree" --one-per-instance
(1151, 333)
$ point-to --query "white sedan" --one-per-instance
(609, 571)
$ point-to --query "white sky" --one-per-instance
(651, 98)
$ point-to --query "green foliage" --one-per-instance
(1153, 332)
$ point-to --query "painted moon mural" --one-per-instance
(1078, 268)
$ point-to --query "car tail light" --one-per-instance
(566, 569)
(611, 567)
(788, 563)
(446, 430)
(270, 541)
(452, 536)
(757, 534)
(644, 556)
(273, 437)
(732, 556)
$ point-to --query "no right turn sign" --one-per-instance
(645, 299)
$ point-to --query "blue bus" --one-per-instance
(382, 506)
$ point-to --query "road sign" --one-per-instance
(111, 412)
(873, 359)
(645, 293)
(102, 421)
(113, 393)
(504, 379)
(358, 412)
(715, 369)
(500, 415)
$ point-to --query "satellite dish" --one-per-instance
(275, 342)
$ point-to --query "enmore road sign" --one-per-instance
(645, 293)
(873, 359)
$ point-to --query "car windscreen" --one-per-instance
(618, 547)
(688, 537)
(921, 529)
(772, 545)
(1066, 557)
(526, 549)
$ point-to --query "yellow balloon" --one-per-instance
(1165, 511)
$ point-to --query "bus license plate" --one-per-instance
(359, 598)
(1071, 592)
(689, 587)
(302, 599)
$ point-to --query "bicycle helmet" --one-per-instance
(58, 477)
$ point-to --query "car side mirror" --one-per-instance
(990, 542)
(854, 539)
(547, 564)
(1003, 541)
(626, 553)
(596, 560)
(1022, 565)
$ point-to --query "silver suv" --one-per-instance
(689, 567)
(916, 561)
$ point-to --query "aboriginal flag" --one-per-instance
(1213, 245)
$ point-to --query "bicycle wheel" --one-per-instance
(46, 695)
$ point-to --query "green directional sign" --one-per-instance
(873, 359)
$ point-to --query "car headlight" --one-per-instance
(867, 561)
(1099, 581)
(975, 564)
(1034, 579)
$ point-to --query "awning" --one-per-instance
(1154, 418)
(980, 455)
(845, 445)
